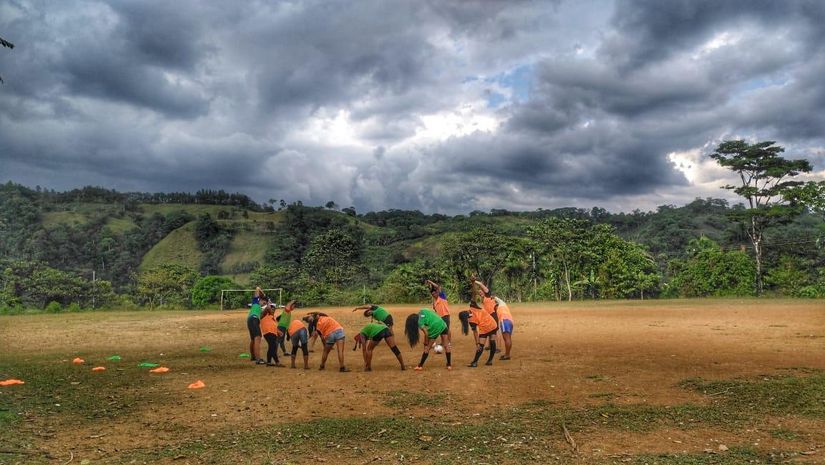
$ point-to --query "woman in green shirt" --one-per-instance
(377, 313)
(433, 327)
(370, 336)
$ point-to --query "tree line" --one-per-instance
(772, 242)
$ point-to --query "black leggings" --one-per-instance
(295, 343)
(271, 347)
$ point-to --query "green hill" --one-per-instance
(178, 247)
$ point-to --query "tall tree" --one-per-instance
(764, 184)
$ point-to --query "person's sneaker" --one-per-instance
(280, 365)
(504, 357)
(489, 363)
(419, 368)
(270, 364)
(343, 369)
(260, 362)
(472, 365)
(287, 354)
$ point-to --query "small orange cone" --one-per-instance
(159, 370)
(11, 382)
(78, 361)
(197, 385)
(99, 369)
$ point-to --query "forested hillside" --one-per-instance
(159, 249)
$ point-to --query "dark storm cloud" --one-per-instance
(437, 105)
(651, 30)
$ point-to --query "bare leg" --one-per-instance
(327, 348)
(339, 345)
(508, 343)
(394, 348)
(368, 348)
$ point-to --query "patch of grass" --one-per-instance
(120, 225)
(784, 434)
(407, 399)
(595, 378)
(72, 393)
(179, 247)
(365, 438)
(735, 456)
(246, 247)
(786, 395)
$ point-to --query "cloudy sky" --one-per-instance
(438, 105)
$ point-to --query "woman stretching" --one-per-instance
(484, 327)
(300, 338)
(440, 304)
(433, 327)
(377, 313)
(506, 325)
(331, 332)
(270, 332)
(253, 324)
(370, 336)
(284, 319)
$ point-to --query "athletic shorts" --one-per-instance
(300, 338)
(335, 336)
(388, 320)
(446, 319)
(253, 324)
(491, 333)
(442, 333)
(385, 333)
(507, 326)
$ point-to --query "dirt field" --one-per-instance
(694, 381)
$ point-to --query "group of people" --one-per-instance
(487, 316)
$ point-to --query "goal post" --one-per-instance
(226, 291)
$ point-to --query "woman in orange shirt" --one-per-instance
(300, 338)
(269, 329)
(484, 327)
(331, 332)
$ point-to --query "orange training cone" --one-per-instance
(11, 382)
(99, 369)
(159, 370)
(78, 361)
(197, 385)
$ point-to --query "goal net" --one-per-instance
(226, 293)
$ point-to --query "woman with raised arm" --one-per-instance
(370, 336)
(428, 322)
(379, 314)
(440, 305)
(284, 320)
(505, 319)
(484, 327)
(253, 324)
(488, 303)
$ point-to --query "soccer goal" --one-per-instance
(225, 292)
